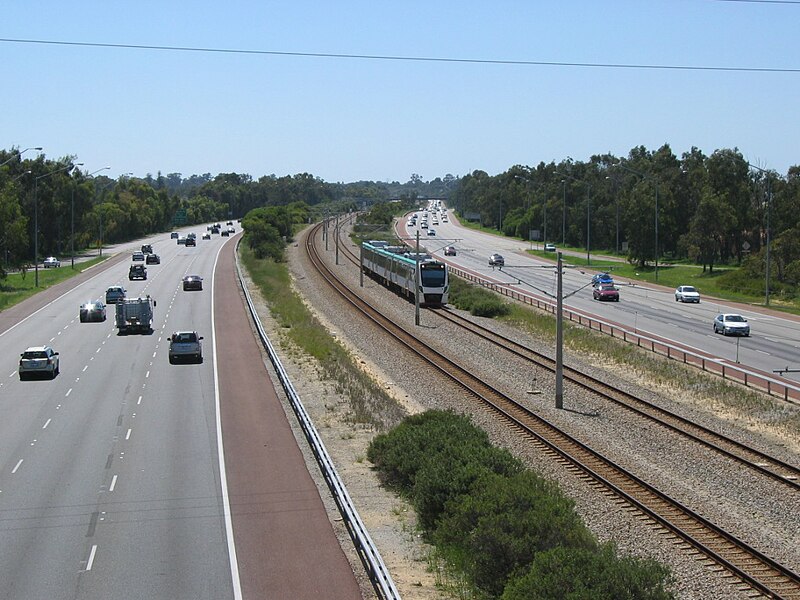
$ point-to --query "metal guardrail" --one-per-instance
(368, 553)
(774, 387)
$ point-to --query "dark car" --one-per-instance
(192, 282)
(174, 235)
(137, 272)
(153, 259)
(225, 233)
(190, 241)
(496, 260)
(147, 248)
(92, 311)
(450, 251)
(115, 294)
(606, 291)
(602, 279)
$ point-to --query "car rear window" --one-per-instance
(185, 337)
(38, 354)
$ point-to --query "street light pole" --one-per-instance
(588, 211)
(19, 153)
(36, 217)
(72, 217)
(655, 184)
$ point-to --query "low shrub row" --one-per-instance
(513, 534)
(475, 299)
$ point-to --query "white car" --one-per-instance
(138, 256)
(687, 293)
(51, 262)
(38, 359)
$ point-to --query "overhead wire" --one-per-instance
(401, 58)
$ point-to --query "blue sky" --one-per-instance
(342, 119)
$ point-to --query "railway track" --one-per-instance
(739, 562)
(760, 462)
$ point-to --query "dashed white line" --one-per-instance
(146, 375)
(128, 435)
(14, 470)
(90, 562)
(763, 352)
(113, 484)
(139, 401)
(52, 339)
(69, 391)
(46, 424)
(12, 373)
(84, 369)
(154, 354)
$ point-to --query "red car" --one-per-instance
(605, 291)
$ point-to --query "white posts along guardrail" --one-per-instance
(771, 385)
(367, 551)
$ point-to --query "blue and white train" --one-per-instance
(398, 271)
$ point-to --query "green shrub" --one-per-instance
(451, 473)
(478, 301)
(402, 452)
(584, 574)
(498, 529)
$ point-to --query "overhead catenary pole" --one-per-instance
(416, 282)
(336, 237)
(559, 336)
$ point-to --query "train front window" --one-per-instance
(433, 276)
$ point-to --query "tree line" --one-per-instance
(75, 209)
(708, 209)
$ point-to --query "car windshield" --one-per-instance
(688, 288)
(735, 318)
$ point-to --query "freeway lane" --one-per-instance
(109, 477)
(775, 337)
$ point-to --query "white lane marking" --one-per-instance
(113, 484)
(223, 477)
(52, 339)
(12, 373)
(128, 435)
(762, 352)
(90, 562)
(46, 423)
(98, 350)
(69, 391)
(14, 470)
(139, 401)
(84, 369)
(154, 354)
(146, 375)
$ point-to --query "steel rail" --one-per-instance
(750, 566)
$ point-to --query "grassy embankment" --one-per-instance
(17, 287)
(302, 332)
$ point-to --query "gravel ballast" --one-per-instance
(748, 505)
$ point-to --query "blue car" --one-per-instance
(602, 279)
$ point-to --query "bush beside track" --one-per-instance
(513, 534)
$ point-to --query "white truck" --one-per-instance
(135, 315)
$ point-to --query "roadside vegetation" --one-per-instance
(19, 286)
(501, 530)
(370, 405)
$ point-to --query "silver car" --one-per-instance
(731, 324)
(38, 360)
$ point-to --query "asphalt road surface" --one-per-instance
(773, 344)
(110, 478)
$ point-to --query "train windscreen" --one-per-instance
(432, 275)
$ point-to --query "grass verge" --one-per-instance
(17, 287)
(300, 330)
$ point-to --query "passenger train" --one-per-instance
(398, 271)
